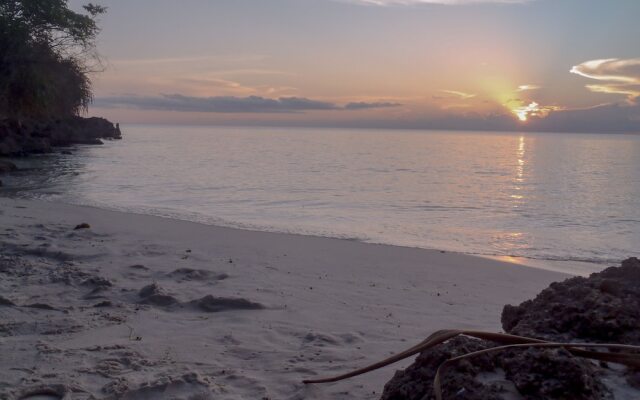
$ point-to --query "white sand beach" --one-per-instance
(234, 314)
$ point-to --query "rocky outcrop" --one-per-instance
(416, 382)
(604, 307)
(517, 374)
(21, 138)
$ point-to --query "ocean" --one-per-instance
(539, 196)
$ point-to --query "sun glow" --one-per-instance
(523, 112)
(512, 98)
(533, 110)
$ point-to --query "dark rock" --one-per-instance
(83, 225)
(552, 374)
(94, 141)
(528, 374)
(416, 382)
(20, 138)
(602, 308)
(102, 304)
(605, 307)
(66, 152)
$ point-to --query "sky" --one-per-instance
(541, 65)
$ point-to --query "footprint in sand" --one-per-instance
(139, 267)
(190, 274)
(217, 304)
(6, 302)
(154, 295)
(98, 285)
(188, 386)
(50, 392)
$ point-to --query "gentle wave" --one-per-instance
(213, 221)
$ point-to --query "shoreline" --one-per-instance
(517, 261)
(296, 306)
(571, 267)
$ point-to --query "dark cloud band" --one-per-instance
(229, 104)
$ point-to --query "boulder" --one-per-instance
(515, 374)
(605, 307)
(416, 382)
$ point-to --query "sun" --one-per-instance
(523, 112)
(522, 115)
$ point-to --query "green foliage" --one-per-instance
(46, 53)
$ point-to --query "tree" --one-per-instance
(46, 54)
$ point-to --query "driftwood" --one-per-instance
(625, 354)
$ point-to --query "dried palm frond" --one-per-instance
(624, 353)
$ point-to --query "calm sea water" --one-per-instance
(570, 197)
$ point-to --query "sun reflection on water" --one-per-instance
(519, 175)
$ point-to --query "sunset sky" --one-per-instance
(548, 65)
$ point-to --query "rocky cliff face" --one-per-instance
(21, 138)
